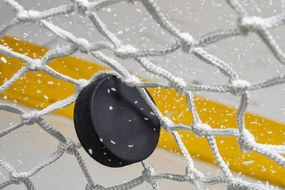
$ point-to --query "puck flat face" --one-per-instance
(114, 123)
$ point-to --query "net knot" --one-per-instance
(82, 7)
(16, 175)
(250, 23)
(148, 174)
(237, 184)
(186, 42)
(238, 86)
(201, 129)
(193, 174)
(132, 81)
(83, 45)
(28, 15)
(19, 178)
(180, 85)
(30, 118)
(167, 124)
(69, 146)
(16, 179)
(94, 187)
(81, 83)
(246, 140)
(35, 65)
(126, 51)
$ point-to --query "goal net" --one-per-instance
(185, 42)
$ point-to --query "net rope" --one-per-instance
(236, 86)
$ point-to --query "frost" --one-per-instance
(46, 97)
(4, 60)
(246, 163)
(50, 82)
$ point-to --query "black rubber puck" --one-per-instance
(114, 123)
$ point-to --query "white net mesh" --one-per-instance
(190, 45)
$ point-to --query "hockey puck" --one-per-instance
(114, 124)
